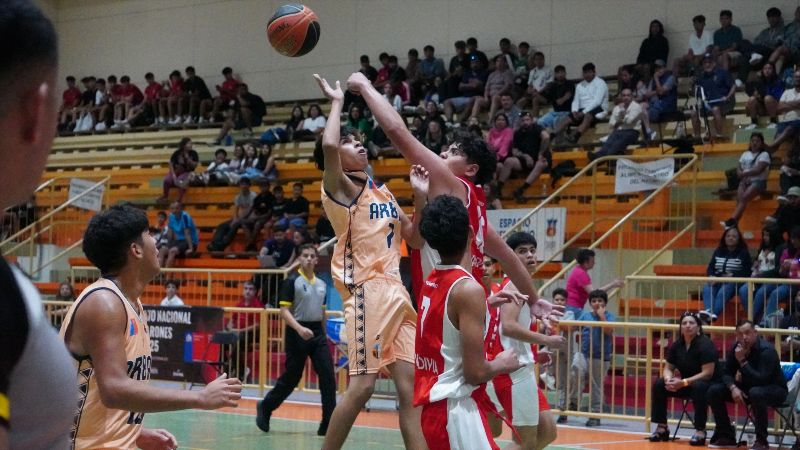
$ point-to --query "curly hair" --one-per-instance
(445, 225)
(477, 152)
(110, 233)
(344, 132)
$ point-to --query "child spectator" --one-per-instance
(765, 266)
(176, 99)
(277, 250)
(753, 172)
(153, 107)
(730, 259)
(296, 211)
(228, 91)
(764, 94)
(597, 347)
(130, 97)
(216, 173)
(171, 298)
(560, 369)
(161, 230)
(70, 100)
(182, 238)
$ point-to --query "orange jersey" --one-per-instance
(97, 426)
(369, 237)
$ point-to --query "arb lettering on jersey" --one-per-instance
(381, 210)
(139, 369)
(425, 363)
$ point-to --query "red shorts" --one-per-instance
(543, 404)
(456, 424)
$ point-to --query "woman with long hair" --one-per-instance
(753, 171)
(356, 119)
(764, 94)
(181, 165)
(500, 137)
(730, 259)
(654, 46)
(765, 266)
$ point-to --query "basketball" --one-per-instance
(293, 30)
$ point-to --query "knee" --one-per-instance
(173, 251)
(363, 391)
(715, 393)
(659, 386)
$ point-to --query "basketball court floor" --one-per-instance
(294, 426)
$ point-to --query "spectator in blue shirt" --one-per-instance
(431, 67)
(182, 236)
(716, 89)
(597, 347)
(278, 250)
(764, 92)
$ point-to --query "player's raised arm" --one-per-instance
(420, 184)
(396, 130)
(333, 175)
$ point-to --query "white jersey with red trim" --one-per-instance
(439, 371)
(524, 349)
(476, 208)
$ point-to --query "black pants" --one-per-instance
(297, 350)
(696, 392)
(224, 235)
(759, 398)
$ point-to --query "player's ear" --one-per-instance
(136, 250)
(472, 170)
(38, 114)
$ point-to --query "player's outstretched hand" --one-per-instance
(420, 181)
(222, 392)
(327, 90)
(357, 82)
(506, 297)
(508, 360)
(150, 439)
(556, 341)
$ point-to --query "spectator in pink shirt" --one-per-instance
(500, 137)
(579, 283)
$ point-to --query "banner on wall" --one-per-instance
(637, 177)
(180, 335)
(92, 201)
(547, 225)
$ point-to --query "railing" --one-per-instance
(62, 225)
(657, 221)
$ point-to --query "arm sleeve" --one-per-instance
(762, 375)
(671, 350)
(710, 271)
(708, 353)
(731, 366)
(287, 292)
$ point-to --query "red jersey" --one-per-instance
(153, 91)
(231, 85)
(71, 97)
(246, 319)
(439, 368)
(175, 87)
(116, 92)
(132, 90)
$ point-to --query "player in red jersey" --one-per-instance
(228, 91)
(70, 100)
(451, 326)
(459, 171)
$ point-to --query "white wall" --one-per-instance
(101, 37)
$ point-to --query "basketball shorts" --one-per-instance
(380, 325)
(456, 424)
(520, 400)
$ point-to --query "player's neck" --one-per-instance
(458, 260)
(309, 274)
(131, 284)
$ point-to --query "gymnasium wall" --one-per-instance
(101, 37)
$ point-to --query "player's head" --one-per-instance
(307, 255)
(560, 296)
(469, 156)
(488, 267)
(445, 226)
(352, 154)
(598, 298)
(119, 238)
(28, 108)
(524, 246)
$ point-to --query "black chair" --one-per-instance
(673, 116)
(223, 338)
(786, 410)
(684, 413)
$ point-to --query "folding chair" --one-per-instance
(222, 338)
(684, 413)
(785, 410)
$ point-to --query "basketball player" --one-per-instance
(518, 393)
(380, 321)
(450, 361)
(457, 171)
(108, 338)
(35, 409)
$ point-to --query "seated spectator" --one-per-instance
(661, 97)
(66, 293)
(627, 78)
(431, 67)
(789, 105)
(242, 207)
(260, 215)
(153, 108)
(765, 266)
(459, 64)
(788, 212)
(500, 137)
(277, 250)
(431, 114)
(472, 50)
(236, 164)
(182, 238)
(70, 100)
(247, 167)
(753, 172)
(788, 267)
(279, 203)
(625, 119)
(507, 51)
(530, 153)
(383, 73)
(771, 43)
(730, 259)
(690, 370)
(397, 75)
(510, 109)
(356, 119)
(469, 88)
(588, 105)
(17, 217)
(538, 77)
(181, 165)
(171, 298)
(413, 76)
(727, 41)
(499, 82)
(313, 125)
(130, 97)
(522, 65)
(765, 92)
(791, 34)
(371, 73)
(558, 93)
(701, 41)
(200, 101)
(265, 164)
(392, 97)
(161, 231)
(790, 171)
(227, 91)
(300, 237)
(100, 106)
(717, 91)
(176, 98)
(435, 139)
(295, 214)
(324, 228)
(216, 174)
(248, 111)
(792, 322)
(752, 375)
(655, 46)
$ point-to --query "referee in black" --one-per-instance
(302, 302)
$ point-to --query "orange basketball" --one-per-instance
(293, 30)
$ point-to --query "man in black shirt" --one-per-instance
(296, 212)
(558, 93)
(529, 154)
(248, 112)
(259, 215)
(752, 375)
(199, 96)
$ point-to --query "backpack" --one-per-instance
(562, 169)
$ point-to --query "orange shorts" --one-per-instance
(380, 325)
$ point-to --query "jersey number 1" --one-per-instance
(390, 236)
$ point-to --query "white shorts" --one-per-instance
(456, 424)
(519, 400)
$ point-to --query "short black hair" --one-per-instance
(699, 19)
(70, 78)
(445, 225)
(110, 233)
(245, 181)
(428, 47)
(125, 79)
(413, 51)
(101, 81)
(477, 152)
(298, 184)
(743, 322)
(364, 59)
(189, 69)
(392, 58)
(227, 71)
(161, 214)
(279, 228)
(505, 41)
(773, 12)
(599, 293)
(307, 246)
(588, 66)
(559, 68)
(523, 44)
(472, 41)
(383, 55)
(583, 255)
(520, 238)
(172, 282)
(560, 291)
(460, 44)
(175, 73)
(30, 44)
(220, 150)
(726, 13)
(112, 78)
(535, 54)
(149, 76)
(319, 154)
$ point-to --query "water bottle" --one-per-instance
(188, 347)
(228, 139)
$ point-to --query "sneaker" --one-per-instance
(602, 139)
(593, 423)
(770, 220)
(730, 223)
(653, 135)
(782, 199)
(561, 419)
(680, 130)
(755, 58)
(518, 195)
(707, 316)
(101, 126)
(188, 120)
(548, 380)
(175, 120)
(752, 126)
(323, 428)
(724, 442)
(262, 418)
(201, 121)
(738, 83)
(760, 445)
(772, 126)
